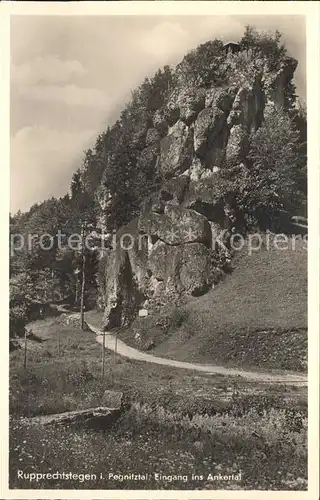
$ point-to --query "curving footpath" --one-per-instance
(129, 352)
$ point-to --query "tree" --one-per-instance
(202, 66)
(92, 169)
(266, 44)
(270, 183)
(22, 294)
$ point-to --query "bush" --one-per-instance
(202, 66)
(270, 183)
(265, 44)
(18, 320)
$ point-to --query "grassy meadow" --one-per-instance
(178, 422)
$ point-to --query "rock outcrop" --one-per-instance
(176, 150)
(170, 252)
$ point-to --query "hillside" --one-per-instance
(207, 151)
(206, 155)
(257, 317)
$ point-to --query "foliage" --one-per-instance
(265, 44)
(17, 320)
(269, 48)
(299, 120)
(46, 261)
(21, 295)
(120, 170)
(271, 180)
(202, 66)
(124, 179)
(156, 441)
(178, 422)
(259, 318)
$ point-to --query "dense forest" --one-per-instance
(121, 170)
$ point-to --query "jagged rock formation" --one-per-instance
(170, 251)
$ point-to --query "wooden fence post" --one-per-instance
(59, 345)
(25, 349)
(103, 354)
(115, 348)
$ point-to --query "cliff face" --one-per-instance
(170, 251)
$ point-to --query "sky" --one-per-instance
(71, 76)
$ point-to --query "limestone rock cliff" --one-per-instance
(169, 252)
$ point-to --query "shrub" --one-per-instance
(270, 183)
(18, 320)
(202, 66)
(265, 44)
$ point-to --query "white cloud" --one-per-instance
(68, 94)
(108, 56)
(164, 39)
(175, 38)
(42, 162)
(46, 79)
(46, 69)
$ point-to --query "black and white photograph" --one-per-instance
(158, 260)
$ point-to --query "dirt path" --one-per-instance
(129, 352)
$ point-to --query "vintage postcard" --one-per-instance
(162, 337)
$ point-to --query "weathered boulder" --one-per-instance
(247, 107)
(185, 268)
(114, 289)
(221, 98)
(274, 83)
(152, 223)
(164, 261)
(224, 98)
(190, 101)
(195, 271)
(188, 225)
(198, 171)
(176, 226)
(176, 150)
(259, 103)
(157, 292)
(208, 126)
(238, 144)
(126, 272)
(174, 190)
(207, 196)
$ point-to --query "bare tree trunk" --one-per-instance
(83, 253)
(52, 285)
(90, 416)
(103, 354)
(83, 289)
(59, 343)
(115, 348)
(77, 291)
(25, 349)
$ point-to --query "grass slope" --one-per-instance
(55, 383)
(256, 318)
(179, 422)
